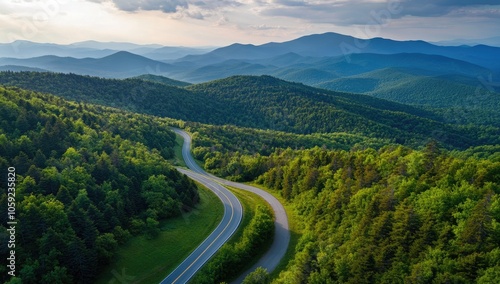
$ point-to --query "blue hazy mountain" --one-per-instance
(15, 68)
(410, 86)
(28, 49)
(312, 60)
(492, 41)
(118, 65)
(333, 44)
(316, 70)
(95, 49)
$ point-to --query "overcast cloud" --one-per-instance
(341, 12)
(171, 6)
(218, 22)
(359, 11)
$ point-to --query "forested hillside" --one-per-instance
(394, 215)
(87, 178)
(224, 149)
(162, 79)
(391, 216)
(459, 99)
(131, 94)
(265, 103)
(372, 211)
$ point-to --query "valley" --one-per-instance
(377, 165)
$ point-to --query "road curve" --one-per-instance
(233, 213)
(281, 229)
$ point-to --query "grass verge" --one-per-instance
(150, 261)
(178, 160)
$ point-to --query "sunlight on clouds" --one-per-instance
(220, 22)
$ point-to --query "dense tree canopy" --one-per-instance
(373, 211)
(87, 178)
(393, 215)
(264, 103)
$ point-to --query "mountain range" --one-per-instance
(261, 102)
(333, 44)
(95, 49)
(386, 153)
(121, 64)
(492, 41)
(402, 71)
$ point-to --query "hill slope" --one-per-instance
(129, 94)
(87, 178)
(315, 70)
(260, 102)
(118, 65)
(162, 79)
(472, 101)
(332, 44)
(267, 102)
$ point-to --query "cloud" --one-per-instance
(337, 12)
(170, 6)
(197, 9)
(477, 12)
(344, 12)
(264, 27)
(434, 8)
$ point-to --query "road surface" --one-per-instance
(233, 213)
(281, 230)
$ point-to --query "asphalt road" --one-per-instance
(233, 213)
(281, 230)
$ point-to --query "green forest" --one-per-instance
(384, 192)
(393, 215)
(232, 258)
(264, 102)
(87, 179)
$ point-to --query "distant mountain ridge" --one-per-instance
(121, 64)
(315, 70)
(333, 44)
(93, 49)
(326, 60)
(388, 84)
(492, 41)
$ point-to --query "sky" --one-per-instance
(222, 22)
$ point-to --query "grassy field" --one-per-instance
(149, 261)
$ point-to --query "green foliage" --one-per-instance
(259, 276)
(268, 103)
(373, 211)
(137, 95)
(87, 177)
(459, 99)
(162, 80)
(393, 215)
(231, 258)
(239, 153)
(262, 102)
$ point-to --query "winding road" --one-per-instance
(233, 213)
(193, 263)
